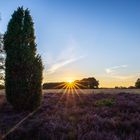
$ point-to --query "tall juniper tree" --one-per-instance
(23, 76)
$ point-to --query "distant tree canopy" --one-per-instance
(55, 85)
(23, 74)
(90, 83)
(86, 83)
(137, 84)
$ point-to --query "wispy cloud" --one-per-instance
(112, 70)
(61, 64)
(66, 56)
(116, 72)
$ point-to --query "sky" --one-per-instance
(84, 38)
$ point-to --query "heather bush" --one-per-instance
(56, 120)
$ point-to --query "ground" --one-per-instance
(85, 115)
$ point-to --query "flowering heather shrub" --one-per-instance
(76, 117)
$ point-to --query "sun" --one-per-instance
(70, 81)
(70, 84)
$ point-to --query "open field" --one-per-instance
(76, 117)
(88, 91)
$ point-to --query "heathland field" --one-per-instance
(112, 114)
(87, 91)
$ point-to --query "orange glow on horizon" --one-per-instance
(70, 84)
(103, 81)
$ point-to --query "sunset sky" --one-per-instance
(84, 38)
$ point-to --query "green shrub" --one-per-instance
(105, 102)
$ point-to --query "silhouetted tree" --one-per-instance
(86, 83)
(90, 82)
(137, 84)
(55, 85)
(2, 61)
(23, 66)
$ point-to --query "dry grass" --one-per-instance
(88, 91)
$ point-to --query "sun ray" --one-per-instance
(71, 91)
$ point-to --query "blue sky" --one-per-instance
(82, 38)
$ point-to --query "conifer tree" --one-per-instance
(23, 77)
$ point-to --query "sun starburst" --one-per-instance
(70, 81)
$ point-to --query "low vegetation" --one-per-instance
(105, 102)
(76, 117)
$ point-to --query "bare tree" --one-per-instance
(2, 59)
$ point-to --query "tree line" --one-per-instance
(86, 83)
